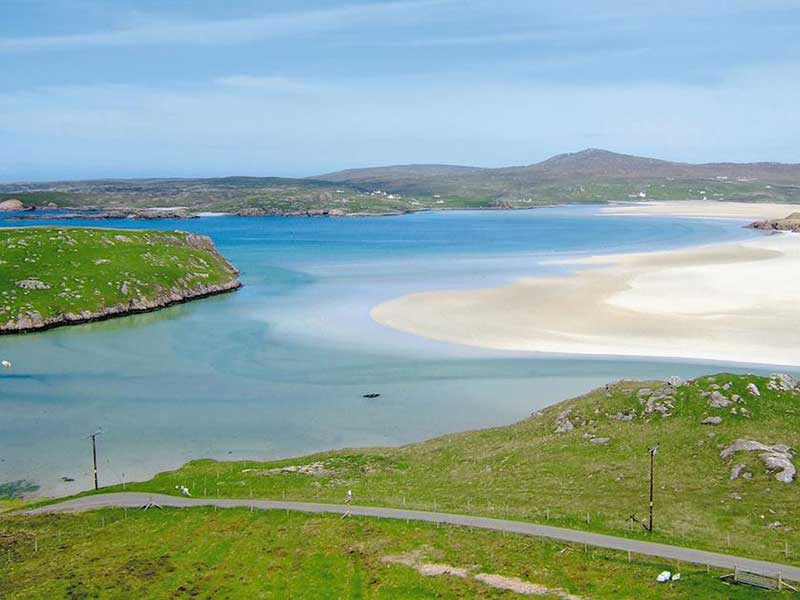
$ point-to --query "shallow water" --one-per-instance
(279, 368)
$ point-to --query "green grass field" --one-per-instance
(49, 272)
(201, 553)
(527, 471)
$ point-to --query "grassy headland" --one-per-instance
(59, 275)
(592, 476)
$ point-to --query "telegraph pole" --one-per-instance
(94, 455)
(653, 451)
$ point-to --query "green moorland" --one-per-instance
(528, 471)
(299, 197)
(53, 275)
(202, 553)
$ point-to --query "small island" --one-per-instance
(52, 276)
(790, 223)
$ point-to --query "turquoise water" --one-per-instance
(279, 368)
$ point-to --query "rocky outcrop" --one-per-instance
(563, 424)
(32, 284)
(315, 469)
(790, 223)
(660, 401)
(781, 382)
(776, 458)
(11, 205)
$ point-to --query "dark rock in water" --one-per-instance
(372, 395)
(67, 479)
(17, 489)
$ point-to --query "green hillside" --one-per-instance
(529, 471)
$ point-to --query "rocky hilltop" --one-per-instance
(62, 276)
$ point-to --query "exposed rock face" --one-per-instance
(711, 421)
(660, 401)
(790, 223)
(315, 469)
(781, 382)
(753, 389)
(675, 381)
(563, 424)
(737, 470)
(718, 400)
(11, 205)
(600, 440)
(775, 458)
(32, 284)
(620, 416)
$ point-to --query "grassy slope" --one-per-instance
(527, 471)
(85, 268)
(242, 554)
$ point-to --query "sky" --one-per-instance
(155, 88)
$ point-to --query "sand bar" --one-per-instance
(702, 209)
(732, 302)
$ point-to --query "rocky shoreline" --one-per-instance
(34, 322)
(138, 214)
(790, 223)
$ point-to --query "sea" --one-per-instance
(281, 367)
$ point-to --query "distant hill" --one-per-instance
(591, 162)
(398, 171)
(589, 176)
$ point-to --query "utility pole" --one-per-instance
(653, 451)
(94, 455)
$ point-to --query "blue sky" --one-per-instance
(92, 88)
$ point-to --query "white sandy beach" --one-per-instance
(703, 209)
(731, 302)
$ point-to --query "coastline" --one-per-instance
(121, 310)
(723, 302)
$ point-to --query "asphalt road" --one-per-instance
(672, 553)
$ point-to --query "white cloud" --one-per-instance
(247, 124)
(159, 31)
